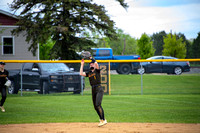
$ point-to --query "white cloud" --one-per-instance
(137, 19)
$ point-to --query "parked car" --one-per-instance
(164, 67)
(121, 68)
(45, 78)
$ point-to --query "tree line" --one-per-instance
(160, 43)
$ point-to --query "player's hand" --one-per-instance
(82, 62)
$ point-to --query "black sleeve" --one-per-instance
(98, 70)
(87, 73)
(7, 73)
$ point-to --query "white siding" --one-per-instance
(20, 48)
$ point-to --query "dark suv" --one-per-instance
(45, 78)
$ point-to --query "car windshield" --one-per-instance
(160, 57)
(170, 58)
(155, 57)
(54, 67)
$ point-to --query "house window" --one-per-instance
(8, 45)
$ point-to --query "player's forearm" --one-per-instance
(95, 63)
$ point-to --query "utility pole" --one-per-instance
(124, 46)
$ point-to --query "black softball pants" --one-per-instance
(3, 94)
(97, 96)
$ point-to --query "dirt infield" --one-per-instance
(93, 128)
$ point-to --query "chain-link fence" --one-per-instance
(125, 77)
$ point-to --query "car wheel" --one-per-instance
(118, 71)
(141, 70)
(177, 70)
(125, 69)
(12, 89)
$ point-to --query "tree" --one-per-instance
(174, 47)
(131, 45)
(158, 43)
(45, 50)
(65, 21)
(144, 46)
(188, 45)
(196, 47)
(124, 44)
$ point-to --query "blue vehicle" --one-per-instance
(121, 68)
(164, 67)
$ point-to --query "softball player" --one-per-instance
(97, 90)
(3, 79)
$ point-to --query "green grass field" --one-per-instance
(165, 99)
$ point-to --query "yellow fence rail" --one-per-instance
(101, 61)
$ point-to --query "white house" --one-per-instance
(13, 47)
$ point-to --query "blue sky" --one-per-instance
(151, 16)
(164, 3)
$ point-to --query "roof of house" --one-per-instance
(8, 14)
(7, 18)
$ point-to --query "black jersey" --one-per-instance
(94, 77)
(3, 76)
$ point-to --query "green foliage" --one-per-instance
(196, 47)
(124, 44)
(144, 47)
(174, 47)
(45, 50)
(65, 22)
(158, 43)
(104, 42)
(188, 45)
(2, 30)
(131, 45)
(122, 3)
